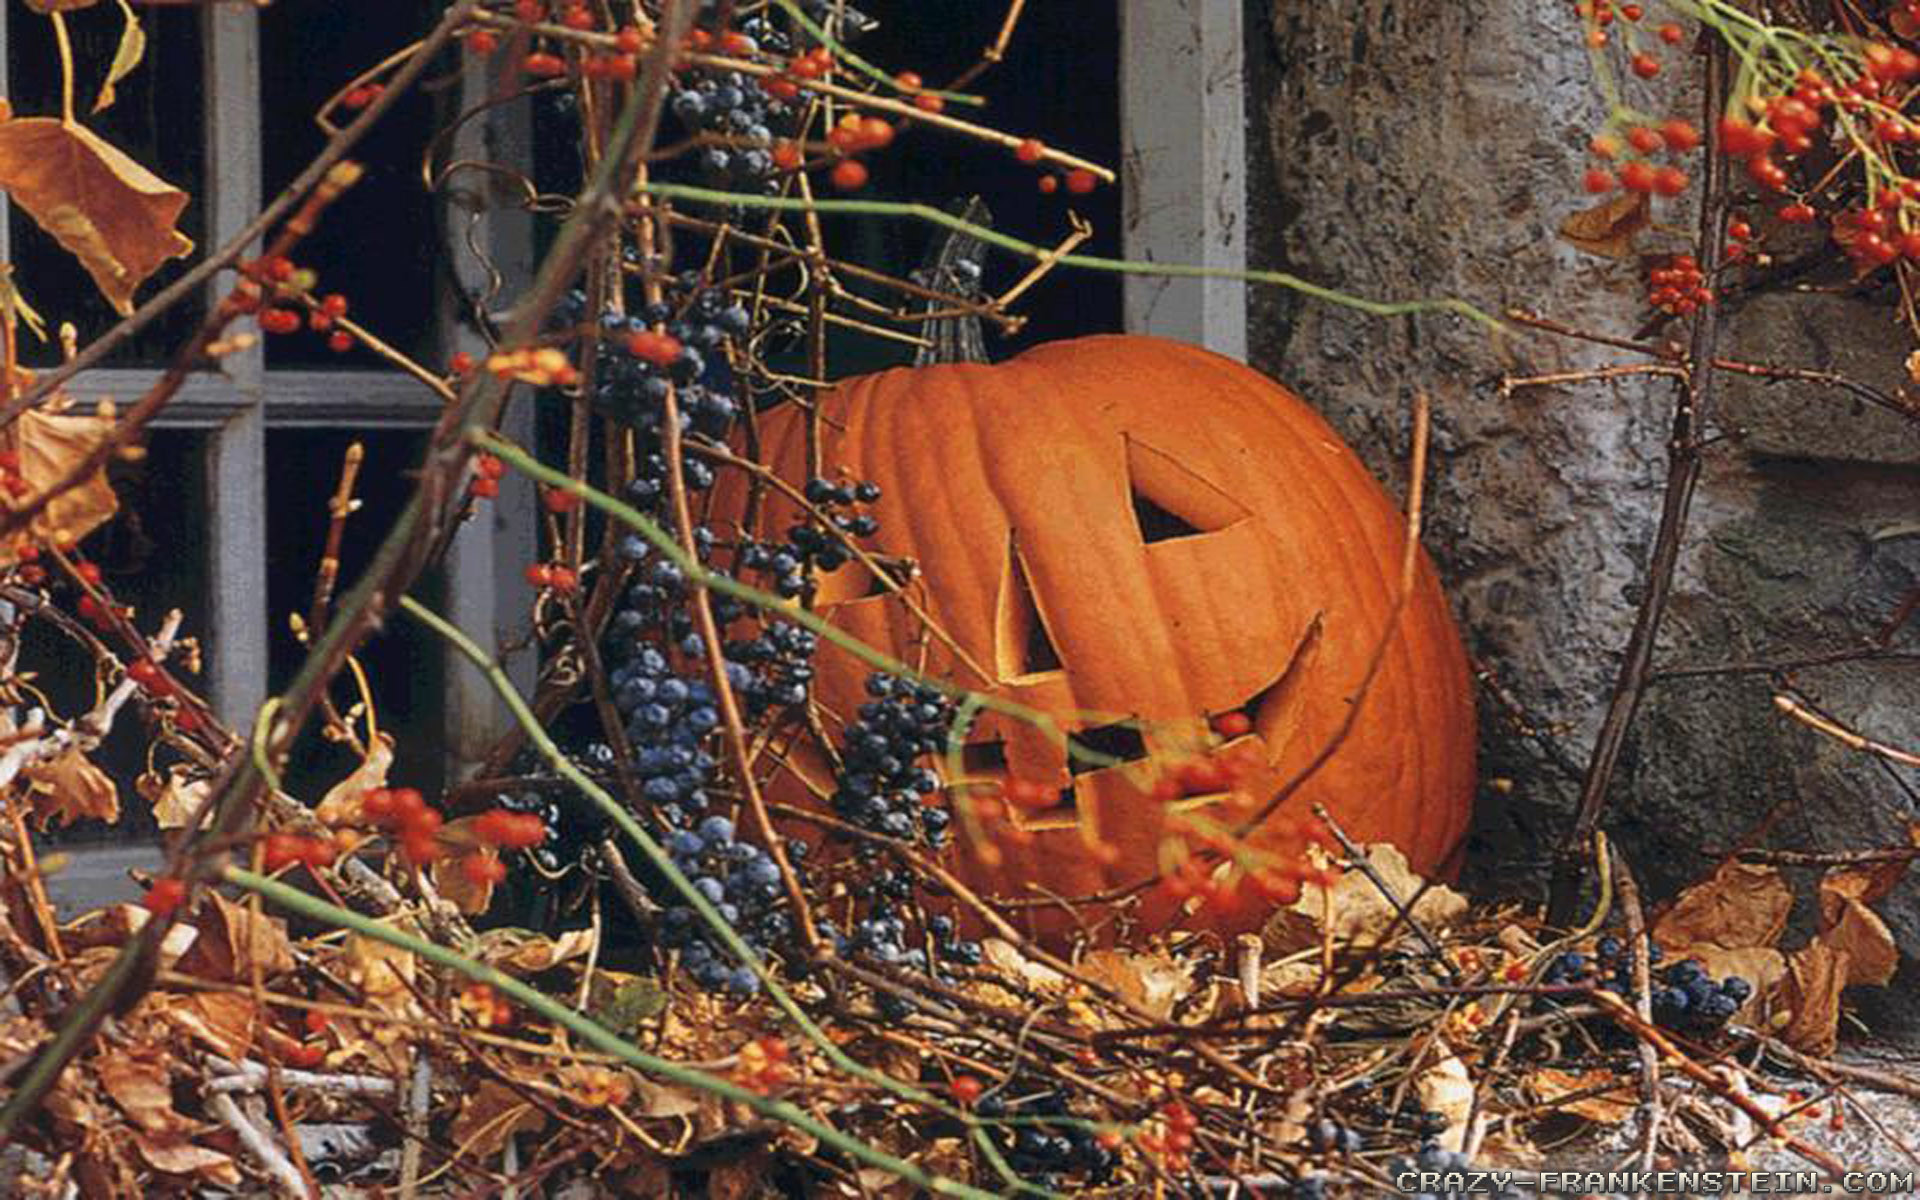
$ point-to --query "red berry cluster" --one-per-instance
(762, 1065)
(487, 473)
(405, 811)
(284, 849)
(1174, 1144)
(488, 1008)
(1676, 286)
(800, 69)
(1638, 174)
(853, 135)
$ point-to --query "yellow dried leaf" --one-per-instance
(68, 789)
(1608, 228)
(176, 798)
(1808, 999)
(51, 447)
(522, 952)
(1743, 904)
(110, 212)
(1606, 1108)
(384, 973)
(1153, 982)
(1762, 966)
(1355, 911)
(43, 7)
(126, 55)
(341, 804)
(451, 879)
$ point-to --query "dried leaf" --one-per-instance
(43, 7)
(1606, 1108)
(223, 1022)
(1356, 912)
(68, 789)
(451, 879)
(489, 1115)
(1446, 1088)
(1762, 966)
(233, 941)
(139, 1085)
(384, 974)
(661, 1100)
(110, 212)
(176, 798)
(51, 446)
(1743, 904)
(341, 804)
(1008, 958)
(1869, 884)
(1153, 982)
(14, 306)
(1808, 999)
(1608, 228)
(1859, 933)
(186, 1158)
(126, 55)
(523, 952)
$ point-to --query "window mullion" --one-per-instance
(1183, 126)
(237, 472)
(487, 590)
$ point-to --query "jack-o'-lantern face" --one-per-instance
(1137, 528)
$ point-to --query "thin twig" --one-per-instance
(1692, 412)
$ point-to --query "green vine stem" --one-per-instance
(662, 862)
(592, 1032)
(1091, 262)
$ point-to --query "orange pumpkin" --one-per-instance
(1143, 529)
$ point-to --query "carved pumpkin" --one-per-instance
(1135, 526)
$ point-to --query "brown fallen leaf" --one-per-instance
(68, 789)
(224, 1022)
(52, 445)
(110, 212)
(342, 803)
(489, 1115)
(233, 941)
(1741, 905)
(1548, 1084)
(176, 1157)
(43, 7)
(139, 1085)
(1609, 227)
(1859, 933)
(1808, 999)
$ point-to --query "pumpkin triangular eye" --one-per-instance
(1169, 501)
(1023, 645)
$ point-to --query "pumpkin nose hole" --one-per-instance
(1119, 741)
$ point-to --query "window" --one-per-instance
(247, 455)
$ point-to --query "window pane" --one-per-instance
(156, 121)
(403, 661)
(375, 245)
(152, 556)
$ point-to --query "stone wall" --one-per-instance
(1425, 148)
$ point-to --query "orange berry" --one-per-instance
(849, 175)
(1029, 151)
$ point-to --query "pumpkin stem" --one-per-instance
(954, 267)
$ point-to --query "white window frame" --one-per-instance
(1183, 167)
(237, 405)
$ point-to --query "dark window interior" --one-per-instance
(152, 555)
(156, 121)
(376, 245)
(403, 660)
